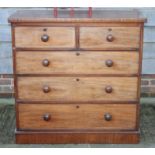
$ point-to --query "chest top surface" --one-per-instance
(79, 16)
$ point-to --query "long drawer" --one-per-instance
(77, 62)
(45, 37)
(77, 88)
(109, 37)
(80, 116)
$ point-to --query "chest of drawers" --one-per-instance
(77, 80)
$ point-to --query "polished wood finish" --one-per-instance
(123, 62)
(100, 16)
(77, 79)
(38, 37)
(77, 116)
(71, 137)
(77, 88)
(119, 37)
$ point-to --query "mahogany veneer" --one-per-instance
(77, 79)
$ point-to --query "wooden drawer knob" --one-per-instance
(108, 117)
(108, 89)
(44, 37)
(46, 89)
(110, 38)
(109, 63)
(46, 117)
(45, 62)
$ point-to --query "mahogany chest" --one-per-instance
(77, 79)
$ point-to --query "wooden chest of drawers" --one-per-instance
(77, 80)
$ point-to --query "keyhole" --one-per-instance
(77, 106)
(77, 79)
(45, 29)
(109, 29)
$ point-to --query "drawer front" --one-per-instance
(109, 38)
(77, 63)
(77, 88)
(71, 116)
(49, 37)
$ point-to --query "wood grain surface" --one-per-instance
(63, 87)
(77, 88)
(42, 16)
(108, 137)
(59, 37)
(77, 62)
(95, 37)
(81, 116)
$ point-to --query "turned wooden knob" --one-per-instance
(109, 63)
(46, 117)
(45, 62)
(46, 89)
(77, 53)
(110, 38)
(108, 89)
(44, 37)
(108, 117)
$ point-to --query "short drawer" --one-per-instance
(77, 88)
(109, 37)
(77, 62)
(77, 116)
(45, 37)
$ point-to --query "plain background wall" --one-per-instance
(149, 38)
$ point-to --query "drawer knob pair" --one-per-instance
(45, 62)
(109, 63)
(46, 117)
(46, 89)
(110, 38)
(108, 117)
(44, 37)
